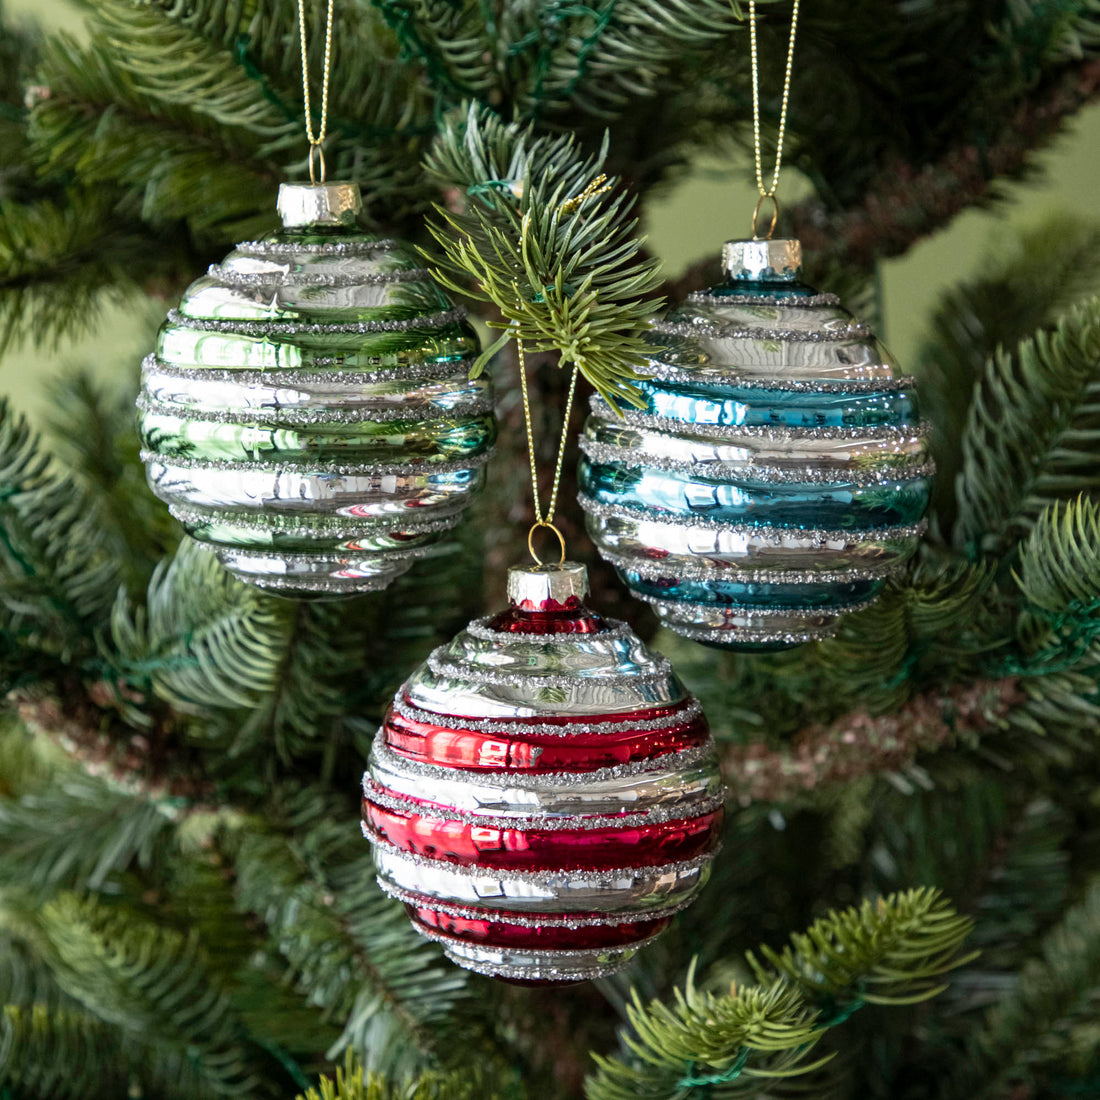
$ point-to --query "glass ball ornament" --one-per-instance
(308, 412)
(544, 793)
(778, 471)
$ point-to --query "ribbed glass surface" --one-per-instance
(776, 474)
(308, 411)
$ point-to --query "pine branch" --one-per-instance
(1059, 562)
(1049, 1015)
(348, 948)
(891, 953)
(903, 203)
(152, 984)
(1033, 433)
(56, 580)
(539, 241)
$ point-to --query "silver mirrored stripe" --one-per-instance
(807, 474)
(768, 301)
(627, 889)
(733, 433)
(700, 569)
(231, 276)
(303, 328)
(302, 528)
(817, 538)
(385, 497)
(479, 629)
(331, 585)
(687, 713)
(543, 920)
(853, 332)
(878, 379)
(536, 682)
(551, 964)
(679, 779)
(541, 656)
(737, 616)
(658, 815)
(297, 378)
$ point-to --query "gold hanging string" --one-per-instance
(316, 143)
(769, 193)
(544, 519)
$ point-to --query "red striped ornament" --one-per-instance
(544, 793)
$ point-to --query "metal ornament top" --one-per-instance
(306, 204)
(769, 261)
(547, 587)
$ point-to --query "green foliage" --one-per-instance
(543, 246)
(1060, 561)
(891, 952)
(1033, 432)
(1013, 297)
(1046, 1027)
(56, 580)
(349, 949)
(352, 1083)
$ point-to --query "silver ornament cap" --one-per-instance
(547, 587)
(770, 261)
(304, 204)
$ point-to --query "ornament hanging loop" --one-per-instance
(756, 234)
(317, 172)
(316, 140)
(531, 540)
(769, 192)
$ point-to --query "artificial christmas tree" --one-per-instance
(187, 907)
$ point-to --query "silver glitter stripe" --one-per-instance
(519, 973)
(410, 469)
(687, 811)
(605, 878)
(851, 332)
(534, 680)
(292, 378)
(604, 453)
(288, 416)
(548, 963)
(548, 920)
(679, 608)
(777, 535)
(275, 522)
(479, 629)
(687, 713)
(295, 328)
(270, 418)
(319, 585)
(328, 248)
(883, 433)
(543, 782)
(701, 571)
(654, 368)
(345, 557)
(810, 301)
(230, 277)
(755, 637)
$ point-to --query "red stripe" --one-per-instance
(534, 752)
(493, 932)
(544, 849)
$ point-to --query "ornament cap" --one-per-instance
(304, 204)
(548, 587)
(770, 261)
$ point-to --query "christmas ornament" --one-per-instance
(543, 794)
(308, 411)
(778, 470)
